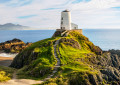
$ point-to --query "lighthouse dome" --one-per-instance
(66, 10)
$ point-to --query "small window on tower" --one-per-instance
(62, 18)
(61, 22)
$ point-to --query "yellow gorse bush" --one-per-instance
(3, 76)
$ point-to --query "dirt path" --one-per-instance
(21, 82)
(15, 81)
(58, 61)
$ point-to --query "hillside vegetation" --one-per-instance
(13, 46)
(82, 63)
(5, 73)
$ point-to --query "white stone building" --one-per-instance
(66, 21)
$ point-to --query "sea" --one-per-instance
(104, 38)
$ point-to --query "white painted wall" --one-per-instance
(74, 26)
(66, 20)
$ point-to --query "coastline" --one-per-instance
(3, 54)
(6, 58)
(103, 37)
(5, 61)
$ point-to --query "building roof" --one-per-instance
(66, 10)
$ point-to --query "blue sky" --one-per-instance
(3, 1)
(45, 14)
(27, 16)
(78, 1)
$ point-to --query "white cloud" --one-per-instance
(92, 14)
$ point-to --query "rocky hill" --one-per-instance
(82, 63)
(13, 46)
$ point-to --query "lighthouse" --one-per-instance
(66, 20)
(66, 25)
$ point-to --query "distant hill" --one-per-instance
(10, 26)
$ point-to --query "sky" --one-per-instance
(46, 14)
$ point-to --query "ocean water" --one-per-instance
(104, 38)
(25, 35)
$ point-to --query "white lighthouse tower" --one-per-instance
(65, 20)
(66, 25)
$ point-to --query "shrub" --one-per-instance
(3, 76)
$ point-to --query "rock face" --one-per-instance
(115, 52)
(13, 46)
(58, 33)
(95, 49)
(109, 67)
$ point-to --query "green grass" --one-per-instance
(39, 43)
(75, 64)
(41, 63)
(73, 59)
(21, 74)
(86, 45)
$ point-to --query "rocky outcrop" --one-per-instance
(95, 49)
(58, 33)
(109, 66)
(24, 58)
(13, 46)
(70, 42)
(115, 52)
(111, 74)
(108, 73)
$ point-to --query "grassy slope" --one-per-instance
(74, 67)
(43, 64)
(71, 58)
